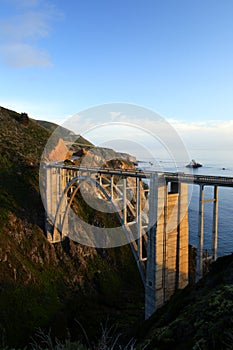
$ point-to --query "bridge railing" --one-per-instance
(169, 176)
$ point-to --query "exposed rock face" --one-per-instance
(58, 152)
(105, 157)
(81, 152)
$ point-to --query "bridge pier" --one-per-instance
(48, 203)
(139, 217)
(201, 215)
(151, 280)
(55, 182)
(52, 194)
(199, 271)
(215, 225)
(167, 260)
(64, 219)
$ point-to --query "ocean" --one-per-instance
(221, 167)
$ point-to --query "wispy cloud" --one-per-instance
(213, 134)
(24, 3)
(21, 33)
(30, 25)
(24, 55)
(203, 126)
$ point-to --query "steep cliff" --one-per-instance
(44, 285)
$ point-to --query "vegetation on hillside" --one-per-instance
(198, 318)
(49, 286)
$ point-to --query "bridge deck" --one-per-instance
(168, 176)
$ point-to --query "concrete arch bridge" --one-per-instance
(153, 211)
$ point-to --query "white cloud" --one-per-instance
(203, 126)
(211, 134)
(24, 55)
(31, 25)
(197, 125)
(24, 3)
(27, 3)
(20, 34)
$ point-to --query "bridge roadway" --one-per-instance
(225, 181)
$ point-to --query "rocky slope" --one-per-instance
(44, 285)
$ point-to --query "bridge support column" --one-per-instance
(100, 181)
(150, 287)
(214, 247)
(175, 265)
(64, 219)
(199, 272)
(167, 256)
(139, 218)
(57, 185)
(112, 188)
(48, 203)
(53, 198)
(215, 225)
(124, 198)
(58, 181)
(182, 238)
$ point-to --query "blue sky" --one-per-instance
(172, 56)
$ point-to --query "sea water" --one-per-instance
(216, 166)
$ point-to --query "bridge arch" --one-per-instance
(129, 235)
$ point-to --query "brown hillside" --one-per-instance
(44, 285)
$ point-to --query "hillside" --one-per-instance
(198, 317)
(47, 125)
(67, 135)
(50, 286)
